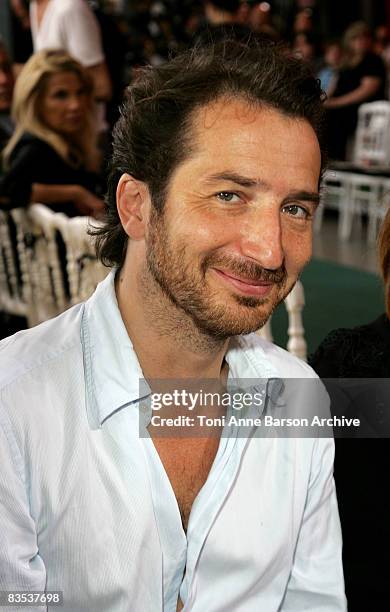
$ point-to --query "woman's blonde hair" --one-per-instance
(29, 89)
(384, 258)
(358, 28)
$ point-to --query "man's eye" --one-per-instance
(228, 196)
(297, 211)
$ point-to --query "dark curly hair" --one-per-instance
(153, 133)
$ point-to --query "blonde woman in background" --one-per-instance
(52, 157)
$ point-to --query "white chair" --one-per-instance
(47, 273)
(67, 277)
(372, 142)
(365, 194)
(352, 194)
(12, 298)
(335, 194)
(380, 210)
(83, 270)
(294, 303)
(48, 266)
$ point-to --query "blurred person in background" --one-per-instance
(362, 466)
(221, 20)
(257, 16)
(361, 79)
(71, 25)
(114, 49)
(305, 46)
(21, 34)
(221, 12)
(328, 74)
(381, 39)
(362, 351)
(303, 21)
(52, 156)
(382, 47)
(6, 91)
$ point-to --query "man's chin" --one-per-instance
(234, 324)
(247, 315)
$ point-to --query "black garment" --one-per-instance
(6, 131)
(342, 121)
(362, 468)
(34, 161)
(22, 41)
(361, 352)
(114, 48)
(350, 78)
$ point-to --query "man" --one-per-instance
(6, 91)
(214, 181)
(72, 26)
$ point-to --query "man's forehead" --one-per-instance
(232, 135)
(239, 126)
(235, 112)
(226, 108)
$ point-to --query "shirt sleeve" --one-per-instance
(81, 34)
(316, 582)
(21, 567)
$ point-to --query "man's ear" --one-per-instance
(133, 203)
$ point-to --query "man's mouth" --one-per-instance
(258, 288)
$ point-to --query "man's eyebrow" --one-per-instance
(233, 177)
(245, 181)
(304, 196)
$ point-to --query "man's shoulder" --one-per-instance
(284, 363)
(32, 351)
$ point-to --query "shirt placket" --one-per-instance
(172, 537)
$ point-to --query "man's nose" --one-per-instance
(261, 239)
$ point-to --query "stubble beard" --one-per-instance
(168, 280)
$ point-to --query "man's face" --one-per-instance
(236, 229)
(6, 82)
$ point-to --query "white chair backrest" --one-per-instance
(294, 304)
(47, 264)
(12, 299)
(372, 144)
(47, 270)
(84, 270)
(354, 194)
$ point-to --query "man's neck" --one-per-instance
(166, 340)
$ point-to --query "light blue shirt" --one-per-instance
(86, 506)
